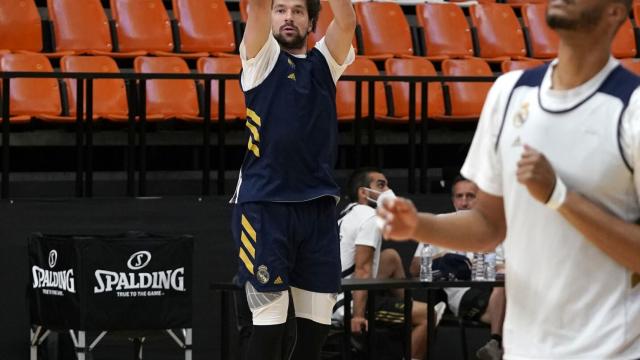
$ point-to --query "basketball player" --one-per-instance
(556, 157)
(284, 220)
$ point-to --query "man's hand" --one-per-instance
(535, 172)
(359, 324)
(400, 219)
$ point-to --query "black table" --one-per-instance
(372, 285)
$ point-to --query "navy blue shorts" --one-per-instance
(288, 244)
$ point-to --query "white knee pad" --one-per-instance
(314, 306)
(268, 308)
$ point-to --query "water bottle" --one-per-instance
(490, 263)
(478, 270)
(426, 259)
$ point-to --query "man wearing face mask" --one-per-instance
(361, 257)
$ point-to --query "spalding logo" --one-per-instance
(139, 260)
(53, 258)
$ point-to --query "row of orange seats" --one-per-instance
(168, 99)
(205, 27)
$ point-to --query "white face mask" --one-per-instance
(382, 196)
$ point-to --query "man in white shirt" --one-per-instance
(284, 210)
(361, 258)
(556, 157)
(478, 304)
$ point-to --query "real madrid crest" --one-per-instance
(263, 274)
(521, 116)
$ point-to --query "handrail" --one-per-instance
(136, 93)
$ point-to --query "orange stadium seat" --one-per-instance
(499, 32)
(324, 19)
(109, 95)
(624, 43)
(479, 1)
(204, 25)
(446, 30)
(234, 98)
(400, 90)
(143, 25)
(543, 41)
(520, 3)
(632, 65)
(81, 27)
(168, 98)
(466, 98)
(346, 92)
(636, 11)
(511, 65)
(32, 97)
(21, 27)
(385, 30)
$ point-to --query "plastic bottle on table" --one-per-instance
(426, 260)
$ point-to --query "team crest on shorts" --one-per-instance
(263, 274)
(521, 116)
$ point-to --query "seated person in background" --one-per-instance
(361, 257)
(485, 305)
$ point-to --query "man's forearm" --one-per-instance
(617, 238)
(343, 15)
(462, 230)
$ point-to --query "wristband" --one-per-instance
(558, 196)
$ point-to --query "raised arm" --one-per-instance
(258, 27)
(340, 32)
(480, 229)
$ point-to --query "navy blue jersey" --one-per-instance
(292, 129)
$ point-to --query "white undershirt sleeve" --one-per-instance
(368, 233)
(335, 68)
(256, 69)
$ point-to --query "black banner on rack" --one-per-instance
(122, 282)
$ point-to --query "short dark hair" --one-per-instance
(456, 180)
(313, 9)
(359, 178)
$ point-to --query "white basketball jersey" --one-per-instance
(565, 297)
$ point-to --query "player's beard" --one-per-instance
(587, 19)
(294, 43)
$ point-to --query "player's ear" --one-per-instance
(362, 192)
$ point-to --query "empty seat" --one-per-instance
(324, 19)
(385, 30)
(511, 65)
(109, 95)
(143, 25)
(204, 25)
(446, 30)
(499, 32)
(234, 98)
(400, 90)
(32, 97)
(632, 65)
(82, 27)
(466, 98)
(346, 91)
(624, 43)
(168, 98)
(21, 27)
(520, 3)
(543, 41)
